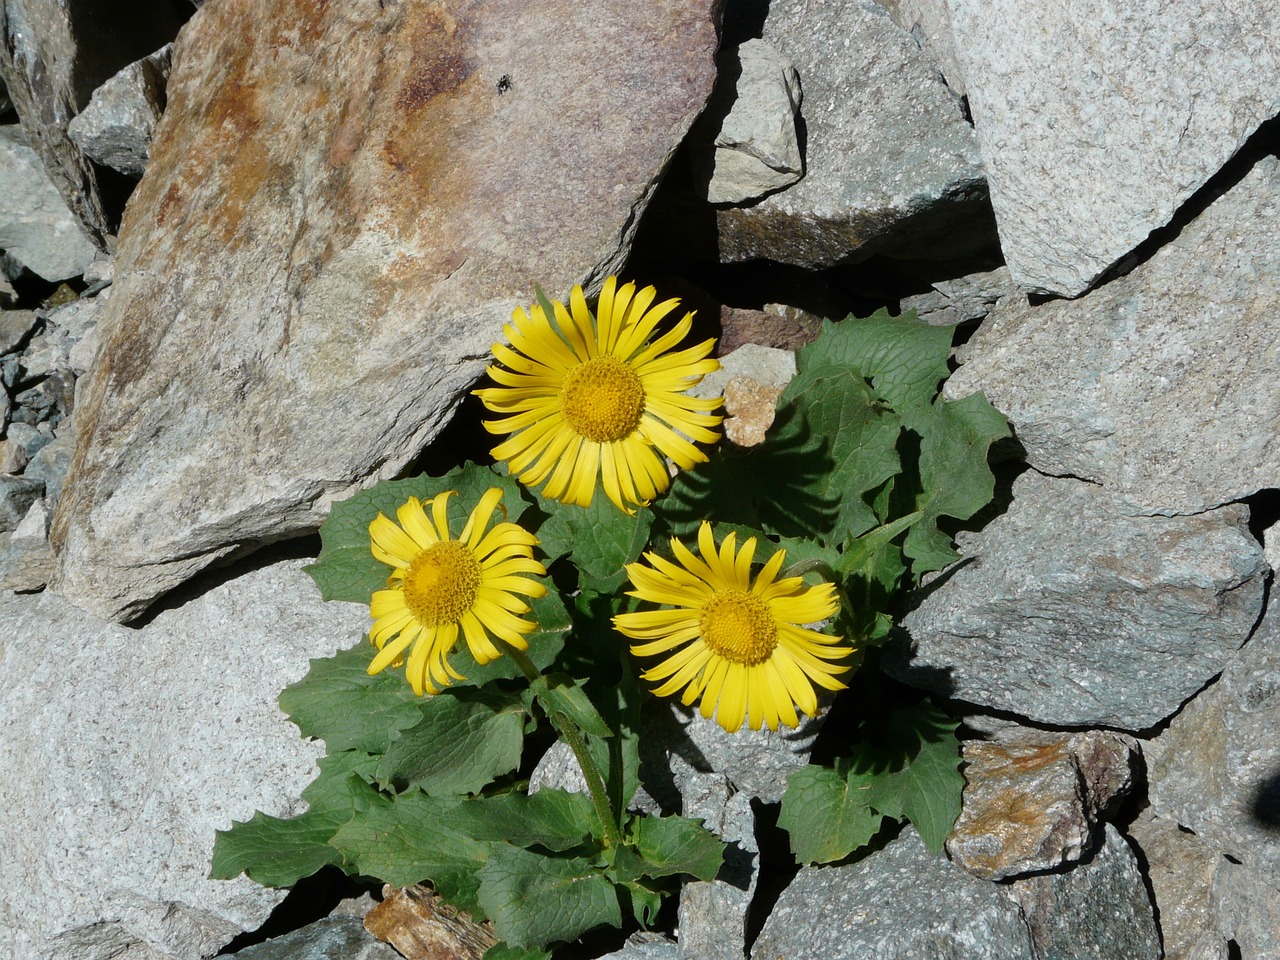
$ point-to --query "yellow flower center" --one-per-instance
(441, 583)
(739, 627)
(602, 399)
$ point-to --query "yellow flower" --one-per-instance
(737, 644)
(441, 587)
(592, 397)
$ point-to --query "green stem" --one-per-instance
(573, 736)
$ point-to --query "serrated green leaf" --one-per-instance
(552, 818)
(675, 845)
(920, 750)
(645, 902)
(827, 815)
(278, 852)
(599, 539)
(904, 358)
(347, 570)
(465, 739)
(560, 694)
(545, 644)
(860, 435)
(339, 703)
(955, 477)
(534, 900)
(411, 838)
(504, 951)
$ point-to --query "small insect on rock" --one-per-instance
(505, 83)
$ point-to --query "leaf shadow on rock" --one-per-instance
(1264, 806)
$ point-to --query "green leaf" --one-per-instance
(534, 900)
(278, 852)
(552, 818)
(465, 739)
(545, 644)
(859, 433)
(618, 756)
(412, 838)
(645, 902)
(560, 694)
(599, 539)
(339, 703)
(920, 749)
(676, 845)
(347, 570)
(955, 478)
(503, 951)
(827, 815)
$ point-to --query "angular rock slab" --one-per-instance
(900, 903)
(1097, 120)
(1216, 769)
(886, 144)
(342, 206)
(1070, 613)
(1160, 385)
(144, 742)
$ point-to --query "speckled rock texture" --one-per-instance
(1098, 120)
(1069, 612)
(1161, 385)
(126, 749)
(342, 207)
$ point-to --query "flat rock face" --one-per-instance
(885, 141)
(1214, 770)
(147, 741)
(1097, 120)
(900, 903)
(341, 209)
(1160, 385)
(1070, 613)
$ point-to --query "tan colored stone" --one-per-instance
(343, 204)
(421, 926)
(750, 407)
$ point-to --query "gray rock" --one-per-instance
(51, 464)
(15, 326)
(333, 938)
(28, 438)
(35, 225)
(1181, 868)
(1248, 905)
(8, 296)
(899, 903)
(17, 494)
(1033, 799)
(645, 946)
(27, 563)
(1160, 385)
(1069, 612)
(766, 365)
(13, 458)
(962, 300)
(147, 741)
(1090, 147)
(929, 22)
(713, 914)
(115, 128)
(756, 150)
(1097, 911)
(295, 224)
(887, 147)
(1217, 766)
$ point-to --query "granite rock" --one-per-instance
(116, 126)
(333, 938)
(1160, 385)
(1216, 769)
(1097, 121)
(1097, 911)
(713, 913)
(899, 903)
(1248, 908)
(17, 494)
(340, 212)
(890, 161)
(35, 225)
(1070, 612)
(963, 299)
(147, 741)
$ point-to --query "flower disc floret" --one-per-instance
(441, 588)
(734, 643)
(596, 397)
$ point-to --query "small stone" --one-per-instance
(51, 464)
(13, 458)
(749, 407)
(1032, 799)
(8, 296)
(30, 561)
(767, 366)
(713, 913)
(777, 325)
(333, 938)
(1099, 909)
(28, 439)
(899, 903)
(963, 300)
(421, 926)
(15, 327)
(17, 494)
(757, 150)
(115, 127)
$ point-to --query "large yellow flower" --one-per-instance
(592, 397)
(737, 644)
(442, 587)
